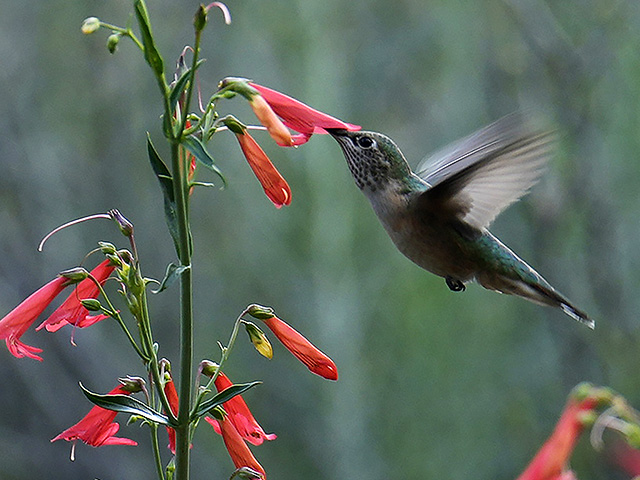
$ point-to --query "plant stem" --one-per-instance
(186, 315)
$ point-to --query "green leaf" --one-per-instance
(197, 148)
(125, 404)
(151, 54)
(224, 396)
(166, 185)
(173, 272)
(180, 86)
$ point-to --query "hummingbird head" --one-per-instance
(373, 158)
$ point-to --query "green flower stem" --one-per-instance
(156, 451)
(226, 351)
(180, 189)
(113, 313)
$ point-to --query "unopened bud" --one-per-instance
(259, 340)
(132, 384)
(91, 304)
(200, 19)
(107, 248)
(208, 368)
(90, 25)
(112, 42)
(260, 312)
(74, 275)
(125, 226)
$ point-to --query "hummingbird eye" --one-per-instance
(365, 142)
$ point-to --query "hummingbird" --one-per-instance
(439, 216)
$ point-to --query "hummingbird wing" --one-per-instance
(479, 176)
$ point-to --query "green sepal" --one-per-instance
(125, 404)
(222, 397)
(166, 185)
(197, 148)
(173, 272)
(151, 54)
(180, 86)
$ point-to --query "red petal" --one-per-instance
(298, 116)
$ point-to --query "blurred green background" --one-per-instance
(433, 384)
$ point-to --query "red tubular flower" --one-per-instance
(237, 448)
(172, 398)
(71, 311)
(551, 460)
(303, 349)
(239, 414)
(18, 320)
(276, 187)
(300, 117)
(97, 428)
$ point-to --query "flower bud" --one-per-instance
(90, 25)
(91, 304)
(259, 340)
(132, 384)
(112, 42)
(107, 248)
(260, 312)
(208, 368)
(200, 19)
(125, 226)
(74, 275)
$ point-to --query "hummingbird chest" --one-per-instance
(426, 240)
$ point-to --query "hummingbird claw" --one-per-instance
(454, 284)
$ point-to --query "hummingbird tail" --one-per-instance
(538, 291)
(549, 296)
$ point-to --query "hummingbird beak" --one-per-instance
(337, 132)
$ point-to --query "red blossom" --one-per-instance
(236, 446)
(278, 131)
(550, 463)
(18, 320)
(274, 185)
(72, 311)
(97, 428)
(172, 398)
(300, 117)
(303, 349)
(239, 414)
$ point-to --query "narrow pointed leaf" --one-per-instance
(181, 85)
(197, 148)
(151, 54)
(125, 404)
(172, 273)
(224, 396)
(166, 185)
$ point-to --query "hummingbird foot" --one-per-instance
(454, 284)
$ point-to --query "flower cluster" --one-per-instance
(16, 323)
(278, 113)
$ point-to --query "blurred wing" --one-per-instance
(481, 175)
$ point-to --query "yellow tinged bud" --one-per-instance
(90, 25)
(259, 340)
